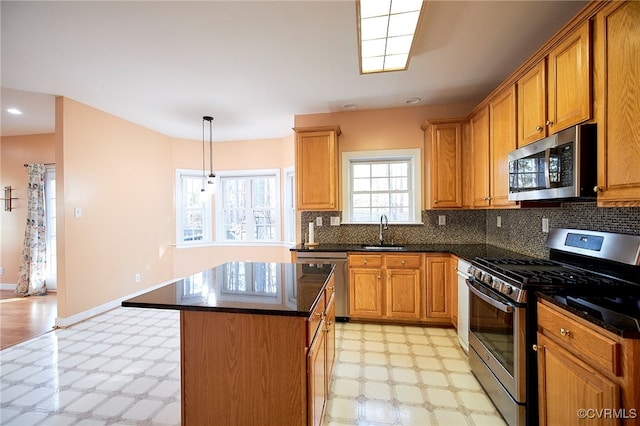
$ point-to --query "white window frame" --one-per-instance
(220, 232)
(289, 223)
(415, 182)
(207, 218)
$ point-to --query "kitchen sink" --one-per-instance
(382, 247)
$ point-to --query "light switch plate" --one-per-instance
(499, 221)
(77, 212)
(442, 220)
(545, 225)
(335, 221)
(319, 221)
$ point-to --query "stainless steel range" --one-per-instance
(597, 272)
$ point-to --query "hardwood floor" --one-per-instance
(22, 318)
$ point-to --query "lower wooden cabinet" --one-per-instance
(407, 287)
(320, 360)
(584, 371)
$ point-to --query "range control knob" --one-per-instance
(508, 289)
(478, 274)
(487, 279)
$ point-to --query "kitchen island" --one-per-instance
(257, 342)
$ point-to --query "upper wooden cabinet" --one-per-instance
(479, 136)
(556, 92)
(502, 140)
(617, 102)
(443, 163)
(317, 185)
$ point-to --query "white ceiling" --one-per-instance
(252, 65)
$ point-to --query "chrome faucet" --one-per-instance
(384, 224)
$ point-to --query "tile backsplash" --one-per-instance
(520, 230)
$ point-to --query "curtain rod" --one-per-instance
(46, 164)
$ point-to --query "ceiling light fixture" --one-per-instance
(386, 30)
(208, 185)
(14, 111)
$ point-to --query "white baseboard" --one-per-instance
(8, 287)
(63, 322)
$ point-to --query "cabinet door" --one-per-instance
(566, 386)
(403, 291)
(617, 53)
(331, 338)
(365, 293)
(438, 294)
(444, 162)
(502, 140)
(479, 124)
(569, 81)
(316, 376)
(532, 105)
(317, 170)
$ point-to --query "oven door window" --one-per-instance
(493, 327)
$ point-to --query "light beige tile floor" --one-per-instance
(397, 375)
(123, 368)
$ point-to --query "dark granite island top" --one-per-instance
(242, 287)
(257, 342)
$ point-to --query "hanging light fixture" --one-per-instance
(208, 183)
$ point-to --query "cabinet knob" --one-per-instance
(548, 123)
(319, 314)
(403, 261)
(538, 128)
(535, 348)
(597, 189)
(379, 277)
(364, 261)
(487, 198)
(435, 201)
(565, 332)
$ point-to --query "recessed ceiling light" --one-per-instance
(14, 111)
(386, 31)
(412, 101)
(349, 106)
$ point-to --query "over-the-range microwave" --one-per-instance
(563, 165)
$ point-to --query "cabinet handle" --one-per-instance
(364, 261)
(379, 276)
(565, 332)
(319, 314)
(332, 288)
(535, 348)
(487, 198)
(548, 123)
(597, 189)
(538, 128)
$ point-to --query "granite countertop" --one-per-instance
(465, 251)
(243, 287)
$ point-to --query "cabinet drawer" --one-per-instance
(588, 344)
(314, 320)
(365, 261)
(403, 260)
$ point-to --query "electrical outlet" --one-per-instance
(77, 212)
(545, 225)
(138, 278)
(499, 221)
(1, 270)
(335, 220)
(442, 220)
(319, 221)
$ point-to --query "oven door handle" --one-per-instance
(496, 304)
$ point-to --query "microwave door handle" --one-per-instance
(496, 304)
(547, 168)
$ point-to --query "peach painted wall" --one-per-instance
(121, 176)
(236, 155)
(15, 151)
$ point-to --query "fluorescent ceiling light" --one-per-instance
(14, 111)
(386, 30)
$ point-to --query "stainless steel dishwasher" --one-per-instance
(340, 276)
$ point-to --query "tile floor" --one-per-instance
(122, 368)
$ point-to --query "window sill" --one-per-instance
(234, 243)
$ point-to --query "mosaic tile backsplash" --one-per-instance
(520, 231)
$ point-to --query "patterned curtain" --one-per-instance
(32, 273)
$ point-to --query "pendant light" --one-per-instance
(208, 184)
